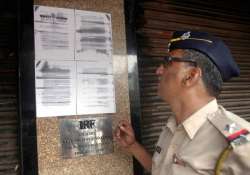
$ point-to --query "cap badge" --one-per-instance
(185, 35)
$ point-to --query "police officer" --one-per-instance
(201, 137)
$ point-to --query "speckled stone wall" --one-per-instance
(49, 159)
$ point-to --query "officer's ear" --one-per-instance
(192, 77)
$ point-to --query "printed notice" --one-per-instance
(95, 92)
(93, 36)
(54, 33)
(55, 88)
(73, 62)
(95, 86)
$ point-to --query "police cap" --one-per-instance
(209, 45)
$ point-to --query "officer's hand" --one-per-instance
(124, 134)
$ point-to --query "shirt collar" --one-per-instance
(193, 123)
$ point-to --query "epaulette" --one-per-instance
(234, 133)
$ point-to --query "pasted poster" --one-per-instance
(55, 88)
(98, 89)
(73, 62)
(54, 33)
(93, 36)
(93, 52)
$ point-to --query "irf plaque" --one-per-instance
(86, 136)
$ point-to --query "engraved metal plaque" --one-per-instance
(86, 136)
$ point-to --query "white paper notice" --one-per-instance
(54, 33)
(93, 36)
(95, 94)
(100, 67)
(95, 86)
(55, 88)
(73, 62)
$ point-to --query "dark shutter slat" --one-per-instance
(8, 96)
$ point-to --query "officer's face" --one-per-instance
(171, 76)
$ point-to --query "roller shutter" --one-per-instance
(8, 93)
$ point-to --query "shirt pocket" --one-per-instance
(191, 166)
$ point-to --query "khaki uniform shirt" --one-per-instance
(194, 146)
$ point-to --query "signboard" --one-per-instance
(86, 136)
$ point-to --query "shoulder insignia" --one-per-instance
(234, 133)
